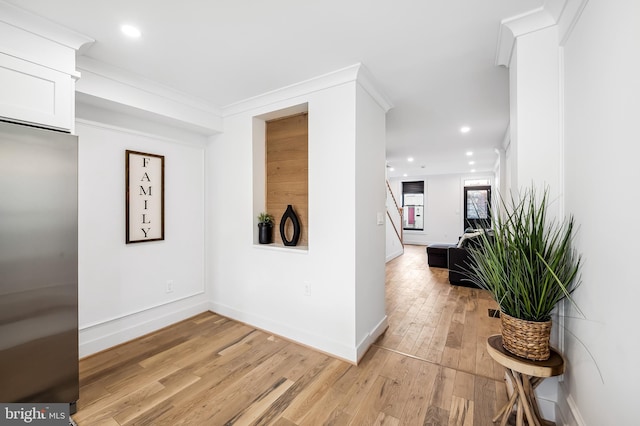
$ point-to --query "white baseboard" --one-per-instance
(560, 420)
(548, 409)
(371, 337)
(102, 336)
(568, 409)
(417, 240)
(303, 337)
(393, 255)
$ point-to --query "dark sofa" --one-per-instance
(438, 256)
(459, 260)
(458, 264)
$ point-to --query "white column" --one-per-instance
(536, 143)
(536, 146)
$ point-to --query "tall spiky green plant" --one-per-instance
(529, 264)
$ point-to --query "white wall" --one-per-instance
(602, 66)
(122, 287)
(535, 149)
(591, 50)
(393, 227)
(444, 203)
(535, 100)
(370, 219)
(444, 212)
(393, 246)
(264, 286)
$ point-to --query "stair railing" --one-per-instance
(392, 220)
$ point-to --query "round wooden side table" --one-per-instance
(525, 375)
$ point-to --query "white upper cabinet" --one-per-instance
(37, 69)
(35, 94)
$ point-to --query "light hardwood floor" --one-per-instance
(429, 368)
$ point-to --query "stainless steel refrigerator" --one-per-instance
(38, 265)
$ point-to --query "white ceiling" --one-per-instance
(435, 60)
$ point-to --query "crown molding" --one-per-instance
(20, 18)
(563, 13)
(568, 16)
(353, 73)
(514, 27)
(315, 84)
(125, 92)
(368, 83)
(119, 90)
(110, 72)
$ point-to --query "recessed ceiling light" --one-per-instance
(469, 153)
(465, 129)
(471, 163)
(473, 170)
(391, 169)
(130, 31)
(410, 159)
(404, 175)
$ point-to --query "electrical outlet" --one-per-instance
(169, 288)
(307, 288)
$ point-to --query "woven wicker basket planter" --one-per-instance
(526, 339)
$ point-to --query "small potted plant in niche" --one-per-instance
(528, 266)
(265, 228)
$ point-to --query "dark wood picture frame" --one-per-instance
(144, 199)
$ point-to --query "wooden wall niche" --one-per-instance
(287, 172)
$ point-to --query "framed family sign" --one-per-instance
(144, 177)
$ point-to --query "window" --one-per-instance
(477, 182)
(413, 205)
(477, 206)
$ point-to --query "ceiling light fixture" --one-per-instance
(471, 163)
(469, 153)
(404, 175)
(465, 129)
(473, 170)
(410, 159)
(130, 31)
(391, 169)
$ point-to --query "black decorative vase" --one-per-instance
(289, 214)
(264, 233)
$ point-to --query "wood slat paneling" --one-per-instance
(287, 172)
